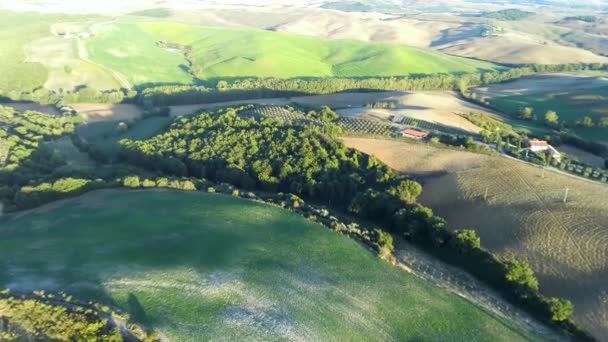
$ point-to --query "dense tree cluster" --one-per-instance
(267, 154)
(509, 14)
(83, 94)
(41, 316)
(21, 134)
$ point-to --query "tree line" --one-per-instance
(242, 89)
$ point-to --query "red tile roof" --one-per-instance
(414, 133)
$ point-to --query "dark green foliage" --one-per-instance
(586, 122)
(585, 18)
(510, 14)
(22, 154)
(491, 127)
(466, 241)
(408, 191)
(131, 182)
(521, 274)
(243, 89)
(560, 309)
(382, 105)
(266, 154)
(325, 114)
(526, 113)
(32, 196)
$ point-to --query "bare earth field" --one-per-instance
(95, 112)
(524, 216)
(515, 49)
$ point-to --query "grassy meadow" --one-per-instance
(226, 52)
(195, 266)
(571, 106)
(17, 30)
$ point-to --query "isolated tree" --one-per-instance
(551, 118)
(521, 274)
(131, 182)
(408, 191)
(560, 309)
(122, 127)
(466, 241)
(586, 122)
(221, 85)
(526, 113)
(603, 122)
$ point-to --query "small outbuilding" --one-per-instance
(543, 146)
(414, 134)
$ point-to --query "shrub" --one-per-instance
(148, 183)
(560, 309)
(521, 274)
(408, 191)
(466, 241)
(131, 182)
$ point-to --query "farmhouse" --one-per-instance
(398, 119)
(543, 146)
(414, 133)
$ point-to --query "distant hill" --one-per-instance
(354, 6)
(132, 50)
(511, 14)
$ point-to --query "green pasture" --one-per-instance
(106, 134)
(195, 266)
(17, 30)
(571, 106)
(224, 53)
(133, 52)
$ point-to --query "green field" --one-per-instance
(571, 106)
(105, 134)
(224, 53)
(196, 266)
(16, 32)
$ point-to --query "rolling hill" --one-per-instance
(225, 53)
(194, 266)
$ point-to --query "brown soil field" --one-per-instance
(95, 112)
(515, 49)
(524, 216)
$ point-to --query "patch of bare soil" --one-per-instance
(418, 159)
(518, 48)
(96, 112)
